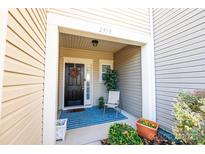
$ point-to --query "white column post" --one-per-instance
(148, 77)
(51, 85)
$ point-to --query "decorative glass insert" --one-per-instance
(88, 83)
(88, 90)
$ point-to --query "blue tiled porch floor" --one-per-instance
(89, 117)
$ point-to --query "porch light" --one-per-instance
(95, 43)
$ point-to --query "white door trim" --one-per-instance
(3, 30)
(86, 62)
(57, 23)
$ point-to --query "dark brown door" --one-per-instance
(74, 84)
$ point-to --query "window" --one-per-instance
(104, 68)
(103, 65)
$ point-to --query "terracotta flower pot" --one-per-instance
(146, 131)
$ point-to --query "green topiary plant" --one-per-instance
(101, 102)
(110, 79)
(123, 134)
(189, 117)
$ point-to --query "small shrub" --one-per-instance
(123, 134)
(101, 102)
(189, 114)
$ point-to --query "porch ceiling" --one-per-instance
(80, 42)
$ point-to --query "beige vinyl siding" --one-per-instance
(98, 88)
(127, 62)
(130, 19)
(179, 40)
(23, 78)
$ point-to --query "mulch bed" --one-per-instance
(158, 140)
(105, 142)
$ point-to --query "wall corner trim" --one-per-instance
(50, 85)
(148, 77)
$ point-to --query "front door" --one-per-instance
(74, 85)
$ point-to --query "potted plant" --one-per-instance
(101, 102)
(146, 128)
(110, 79)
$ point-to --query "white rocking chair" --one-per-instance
(113, 101)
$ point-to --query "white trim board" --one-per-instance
(3, 29)
(58, 23)
(74, 26)
(77, 60)
(50, 85)
(86, 62)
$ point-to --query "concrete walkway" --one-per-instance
(92, 135)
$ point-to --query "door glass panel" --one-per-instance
(88, 91)
(88, 75)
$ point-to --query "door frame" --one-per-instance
(86, 62)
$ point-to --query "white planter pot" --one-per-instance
(61, 126)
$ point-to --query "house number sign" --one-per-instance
(105, 30)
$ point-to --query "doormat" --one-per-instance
(76, 110)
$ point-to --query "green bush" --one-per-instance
(189, 117)
(110, 79)
(101, 102)
(123, 134)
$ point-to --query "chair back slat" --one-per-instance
(113, 97)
